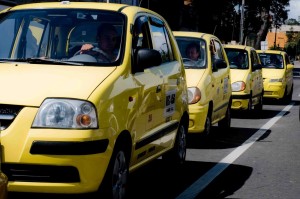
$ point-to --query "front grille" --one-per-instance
(40, 173)
(7, 114)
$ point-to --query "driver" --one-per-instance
(107, 40)
(193, 51)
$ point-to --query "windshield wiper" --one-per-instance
(40, 61)
(51, 61)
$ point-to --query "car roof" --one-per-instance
(271, 51)
(194, 34)
(236, 46)
(128, 9)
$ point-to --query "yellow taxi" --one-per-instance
(3, 181)
(208, 79)
(79, 116)
(277, 74)
(3, 186)
(246, 77)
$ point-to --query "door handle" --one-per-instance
(158, 89)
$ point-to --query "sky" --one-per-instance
(294, 9)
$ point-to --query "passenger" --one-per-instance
(107, 41)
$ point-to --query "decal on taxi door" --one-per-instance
(170, 103)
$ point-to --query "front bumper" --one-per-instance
(198, 114)
(274, 90)
(53, 160)
(240, 101)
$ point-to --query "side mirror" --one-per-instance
(256, 67)
(290, 66)
(146, 58)
(220, 63)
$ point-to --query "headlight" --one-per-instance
(238, 86)
(194, 95)
(276, 80)
(66, 113)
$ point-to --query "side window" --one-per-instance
(161, 41)
(219, 50)
(141, 34)
(287, 60)
(216, 50)
(254, 57)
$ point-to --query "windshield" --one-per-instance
(238, 59)
(193, 52)
(271, 60)
(60, 34)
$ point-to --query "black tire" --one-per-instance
(225, 123)
(178, 154)
(250, 104)
(115, 183)
(287, 98)
(290, 95)
(207, 125)
(259, 106)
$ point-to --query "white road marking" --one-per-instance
(198, 186)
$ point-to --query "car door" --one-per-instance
(256, 75)
(158, 87)
(221, 81)
(288, 72)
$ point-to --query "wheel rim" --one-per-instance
(120, 176)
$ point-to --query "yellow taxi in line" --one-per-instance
(93, 91)
(246, 77)
(208, 78)
(277, 74)
(3, 186)
(3, 180)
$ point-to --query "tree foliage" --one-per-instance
(219, 17)
(223, 18)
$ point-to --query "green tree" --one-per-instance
(223, 18)
(219, 17)
(293, 44)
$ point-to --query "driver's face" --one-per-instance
(193, 54)
(107, 40)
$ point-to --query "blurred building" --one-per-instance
(277, 36)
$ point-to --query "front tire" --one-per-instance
(259, 106)
(116, 179)
(207, 127)
(225, 123)
(178, 154)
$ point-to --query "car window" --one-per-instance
(238, 58)
(161, 41)
(218, 50)
(287, 59)
(141, 33)
(193, 51)
(254, 57)
(269, 60)
(56, 34)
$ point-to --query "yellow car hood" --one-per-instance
(193, 76)
(272, 73)
(25, 84)
(238, 75)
